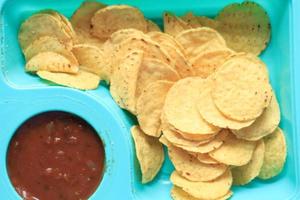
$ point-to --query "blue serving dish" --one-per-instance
(23, 96)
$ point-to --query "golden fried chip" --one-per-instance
(49, 43)
(241, 89)
(81, 18)
(204, 190)
(179, 194)
(124, 34)
(177, 139)
(151, 50)
(205, 158)
(124, 80)
(180, 107)
(112, 18)
(50, 61)
(246, 173)
(245, 27)
(92, 59)
(173, 25)
(263, 125)
(275, 155)
(82, 80)
(210, 112)
(149, 106)
(208, 62)
(191, 168)
(210, 146)
(39, 25)
(166, 39)
(152, 26)
(153, 70)
(196, 38)
(66, 25)
(234, 151)
(149, 153)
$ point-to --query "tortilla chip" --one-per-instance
(82, 80)
(149, 107)
(191, 168)
(246, 173)
(149, 153)
(204, 190)
(39, 25)
(246, 27)
(275, 155)
(124, 80)
(181, 101)
(234, 151)
(50, 61)
(49, 43)
(241, 89)
(112, 18)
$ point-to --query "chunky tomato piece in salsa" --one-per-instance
(55, 156)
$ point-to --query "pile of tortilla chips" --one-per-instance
(73, 53)
(199, 88)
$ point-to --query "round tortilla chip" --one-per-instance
(213, 144)
(191, 168)
(164, 38)
(263, 125)
(246, 173)
(204, 190)
(66, 25)
(212, 115)
(82, 80)
(234, 151)
(241, 89)
(124, 80)
(208, 62)
(42, 24)
(195, 38)
(149, 152)
(112, 18)
(81, 18)
(124, 34)
(180, 107)
(176, 139)
(275, 155)
(50, 61)
(178, 194)
(205, 158)
(149, 107)
(152, 70)
(246, 27)
(92, 59)
(151, 49)
(48, 43)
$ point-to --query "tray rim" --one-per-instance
(295, 79)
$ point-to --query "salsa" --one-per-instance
(55, 156)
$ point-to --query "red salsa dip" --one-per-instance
(55, 156)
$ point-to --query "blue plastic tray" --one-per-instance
(23, 96)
